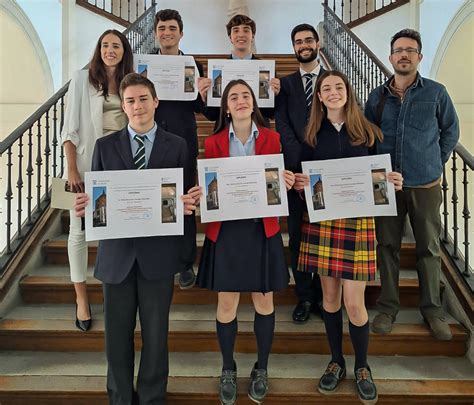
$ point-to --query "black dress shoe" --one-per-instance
(258, 386)
(187, 279)
(302, 311)
(331, 378)
(365, 386)
(86, 324)
(228, 387)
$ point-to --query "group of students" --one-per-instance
(238, 256)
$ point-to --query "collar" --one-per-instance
(150, 135)
(246, 57)
(180, 52)
(315, 71)
(253, 132)
(419, 81)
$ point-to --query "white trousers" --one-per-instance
(77, 249)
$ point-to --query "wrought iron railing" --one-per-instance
(32, 154)
(126, 10)
(345, 52)
(457, 242)
(351, 11)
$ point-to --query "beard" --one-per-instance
(312, 56)
(407, 70)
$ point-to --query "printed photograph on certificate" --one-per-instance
(349, 188)
(168, 203)
(242, 187)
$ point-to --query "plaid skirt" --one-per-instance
(341, 248)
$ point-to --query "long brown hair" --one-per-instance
(224, 120)
(97, 73)
(360, 130)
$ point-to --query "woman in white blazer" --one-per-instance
(92, 111)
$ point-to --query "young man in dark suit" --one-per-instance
(178, 117)
(138, 273)
(291, 116)
(241, 32)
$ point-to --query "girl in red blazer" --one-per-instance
(244, 255)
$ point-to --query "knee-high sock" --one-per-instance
(333, 324)
(226, 334)
(264, 328)
(360, 343)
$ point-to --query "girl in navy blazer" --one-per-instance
(93, 110)
(244, 255)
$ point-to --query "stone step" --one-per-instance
(51, 284)
(55, 251)
(79, 378)
(192, 329)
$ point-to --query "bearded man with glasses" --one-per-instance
(421, 129)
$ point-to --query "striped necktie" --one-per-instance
(308, 88)
(139, 158)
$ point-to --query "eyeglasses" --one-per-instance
(306, 41)
(410, 51)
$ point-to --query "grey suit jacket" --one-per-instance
(157, 256)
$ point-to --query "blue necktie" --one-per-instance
(308, 88)
(139, 158)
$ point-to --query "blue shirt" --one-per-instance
(236, 148)
(419, 132)
(149, 138)
(246, 57)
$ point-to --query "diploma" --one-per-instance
(242, 187)
(174, 77)
(257, 74)
(349, 188)
(134, 203)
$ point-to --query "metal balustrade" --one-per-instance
(32, 154)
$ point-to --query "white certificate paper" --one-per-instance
(257, 74)
(349, 188)
(134, 203)
(174, 77)
(242, 188)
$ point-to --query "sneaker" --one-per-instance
(228, 387)
(383, 323)
(331, 378)
(187, 279)
(258, 386)
(365, 386)
(439, 328)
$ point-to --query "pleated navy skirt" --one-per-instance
(243, 260)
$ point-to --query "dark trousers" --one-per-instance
(307, 285)
(422, 207)
(153, 299)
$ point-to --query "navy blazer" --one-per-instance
(158, 256)
(177, 117)
(291, 116)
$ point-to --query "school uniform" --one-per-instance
(243, 255)
(341, 248)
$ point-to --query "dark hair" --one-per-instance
(224, 120)
(407, 33)
(304, 27)
(135, 79)
(360, 130)
(97, 72)
(169, 14)
(241, 19)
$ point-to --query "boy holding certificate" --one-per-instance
(243, 255)
(138, 273)
(341, 251)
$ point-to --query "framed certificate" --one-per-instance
(242, 187)
(349, 188)
(134, 203)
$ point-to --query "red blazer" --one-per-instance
(217, 146)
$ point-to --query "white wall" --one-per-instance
(205, 20)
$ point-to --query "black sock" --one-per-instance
(226, 334)
(360, 343)
(333, 324)
(264, 327)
